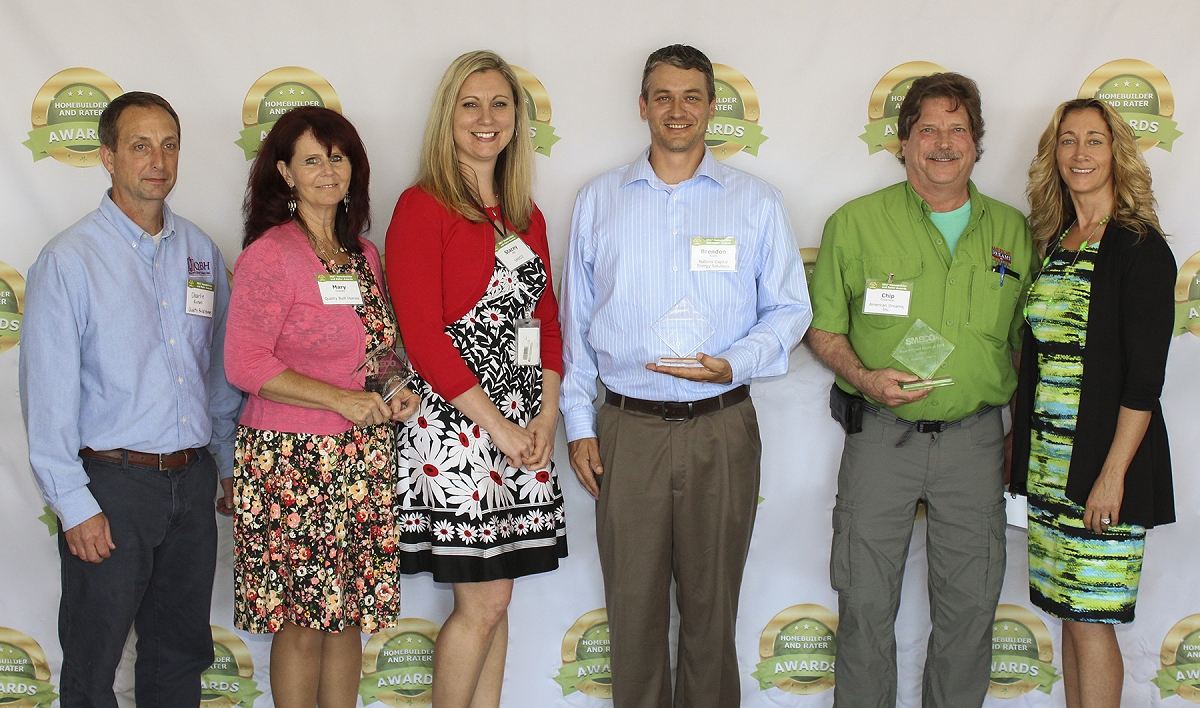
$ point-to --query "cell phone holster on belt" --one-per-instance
(846, 409)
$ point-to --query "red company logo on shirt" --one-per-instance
(196, 267)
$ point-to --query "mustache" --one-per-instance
(944, 155)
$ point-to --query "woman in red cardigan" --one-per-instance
(1089, 443)
(315, 558)
(481, 501)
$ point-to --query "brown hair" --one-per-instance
(680, 56)
(107, 128)
(959, 89)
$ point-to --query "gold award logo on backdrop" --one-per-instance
(65, 114)
(275, 93)
(585, 657)
(537, 106)
(734, 127)
(397, 665)
(809, 257)
(1022, 654)
(1187, 297)
(885, 103)
(1180, 657)
(24, 673)
(230, 680)
(1142, 96)
(796, 651)
(12, 306)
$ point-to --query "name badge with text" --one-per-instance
(714, 254)
(513, 252)
(528, 350)
(339, 289)
(200, 297)
(884, 298)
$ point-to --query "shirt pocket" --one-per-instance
(993, 305)
(898, 269)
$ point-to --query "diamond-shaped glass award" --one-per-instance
(922, 350)
(386, 372)
(684, 329)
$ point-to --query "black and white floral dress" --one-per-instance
(466, 514)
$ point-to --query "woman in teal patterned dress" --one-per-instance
(1090, 446)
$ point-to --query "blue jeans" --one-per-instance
(159, 579)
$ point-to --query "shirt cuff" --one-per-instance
(742, 361)
(223, 457)
(76, 507)
(580, 423)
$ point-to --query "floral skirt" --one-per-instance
(315, 530)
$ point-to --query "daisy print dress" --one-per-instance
(466, 514)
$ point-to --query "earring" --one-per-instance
(346, 200)
(291, 203)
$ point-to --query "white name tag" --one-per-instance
(528, 350)
(338, 289)
(884, 298)
(513, 252)
(200, 297)
(714, 254)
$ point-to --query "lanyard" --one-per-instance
(498, 226)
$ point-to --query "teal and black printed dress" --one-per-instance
(1074, 574)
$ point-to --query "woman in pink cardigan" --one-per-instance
(315, 557)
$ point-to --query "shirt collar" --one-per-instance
(922, 207)
(125, 226)
(640, 169)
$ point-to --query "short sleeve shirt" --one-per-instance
(964, 297)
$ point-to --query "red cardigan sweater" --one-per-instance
(438, 266)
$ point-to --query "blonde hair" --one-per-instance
(440, 173)
(1051, 209)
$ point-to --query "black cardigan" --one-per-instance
(1131, 318)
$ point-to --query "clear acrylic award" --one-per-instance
(684, 329)
(386, 371)
(922, 350)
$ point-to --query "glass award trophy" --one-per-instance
(684, 329)
(386, 372)
(923, 351)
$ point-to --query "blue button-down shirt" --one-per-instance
(109, 357)
(629, 262)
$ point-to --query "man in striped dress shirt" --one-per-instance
(675, 255)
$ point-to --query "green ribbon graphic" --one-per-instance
(381, 683)
(1046, 675)
(69, 135)
(542, 135)
(751, 137)
(1184, 317)
(43, 694)
(244, 696)
(49, 518)
(875, 137)
(1166, 133)
(576, 672)
(793, 665)
(252, 138)
(1168, 678)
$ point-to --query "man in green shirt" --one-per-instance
(905, 275)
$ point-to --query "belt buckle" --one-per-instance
(929, 426)
(677, 411)
(160, 463)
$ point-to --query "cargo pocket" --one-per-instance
(839, 555)
(994, 521)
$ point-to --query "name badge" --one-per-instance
(884, 298)
(339, 289)
(200, 297)
(528, 347)
(513, 252)
(714, 254)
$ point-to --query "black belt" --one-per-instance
(924, 426)
(677, 411)
(162, 462)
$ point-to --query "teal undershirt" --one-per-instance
(952, 223)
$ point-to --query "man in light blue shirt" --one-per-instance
(129, 418)
(675, 256)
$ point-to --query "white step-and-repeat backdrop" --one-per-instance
(807, 93)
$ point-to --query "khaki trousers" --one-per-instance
(957, 473)
(676, 499)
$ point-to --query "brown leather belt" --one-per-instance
(161, 462)
(677, 411)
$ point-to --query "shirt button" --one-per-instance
(675, 197)
(164, 303)
(172, 341)
(933, 403)
(675, 231)
(674, 267)
(183, 419)
(939, 242)
(953, 281)
(950, 323)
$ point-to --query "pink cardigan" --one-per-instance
(277, 321)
